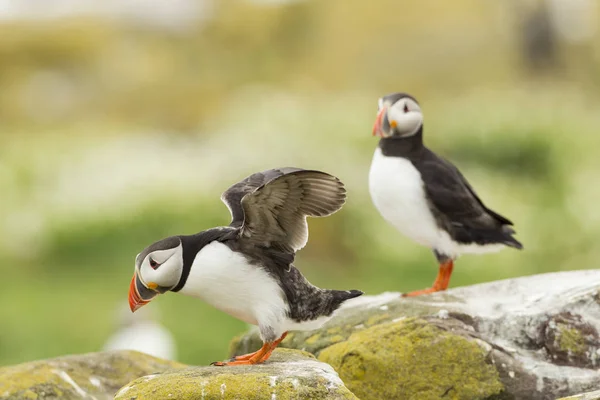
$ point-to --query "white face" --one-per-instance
(404, 118)
(161, 267)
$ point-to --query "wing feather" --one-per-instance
(274, 212)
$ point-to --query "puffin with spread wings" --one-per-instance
(245, 269)
(425, 197)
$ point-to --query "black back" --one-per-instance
(453, 202)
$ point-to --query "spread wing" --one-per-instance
(456, 203)
(232, 197)
(271, 206)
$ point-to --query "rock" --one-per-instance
(528, 338)
(87, 376)
(584, 396)
(289, 374)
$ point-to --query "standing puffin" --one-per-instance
(245, 269)
(426, 197)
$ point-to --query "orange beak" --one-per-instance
(377, 125)
(135, 299)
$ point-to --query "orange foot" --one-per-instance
(441, 281)
(258, 357)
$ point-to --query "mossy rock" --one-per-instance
(78, 377)
(423, 361)
(288, 374)
(531, 338)
(353, 316)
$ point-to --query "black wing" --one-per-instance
(271, 207)
(458, 208)
(232, 197)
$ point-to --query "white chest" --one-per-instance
(225, 279)
(397, 192)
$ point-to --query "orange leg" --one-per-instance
(259, 356)
(441, 281)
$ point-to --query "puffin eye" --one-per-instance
(153, 263)
(406, 108)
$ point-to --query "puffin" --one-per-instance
(425, 197)
(246, 269)
(142, 332)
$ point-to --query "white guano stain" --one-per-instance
(272, 383)
(150, 377)
(96, 382)
(123, 390)
(65, 377)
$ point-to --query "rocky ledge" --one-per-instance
(531, 338)
(289, 374)
(87, 376)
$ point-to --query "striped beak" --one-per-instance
(139, 294)
(378, 121)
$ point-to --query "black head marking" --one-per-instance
(394, 97)
(168, 243)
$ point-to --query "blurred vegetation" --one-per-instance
(115, 135)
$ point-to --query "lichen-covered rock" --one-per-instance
(439, 363)
(288, 374)
(536, 336)
(86, 376)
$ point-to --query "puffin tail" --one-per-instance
(340, 296)
(509, 240)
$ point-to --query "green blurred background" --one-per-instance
(122, 123)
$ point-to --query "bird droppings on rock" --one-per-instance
(369, 359)
(570, 340)
(289, 374)
(96, 382)
(64, 376)
(504, 319)
(78, 376)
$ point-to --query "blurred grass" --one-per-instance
(115, 136)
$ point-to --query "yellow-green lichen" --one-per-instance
(55, 378)
(411, 359)
(375, 319)
(251, 386)
(570, 339)
(346, 322)
(28, 394)
(274, 379)
(336, 338)
(313, 339)
(333, 331)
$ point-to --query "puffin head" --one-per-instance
(399, 115)
(158, 269)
